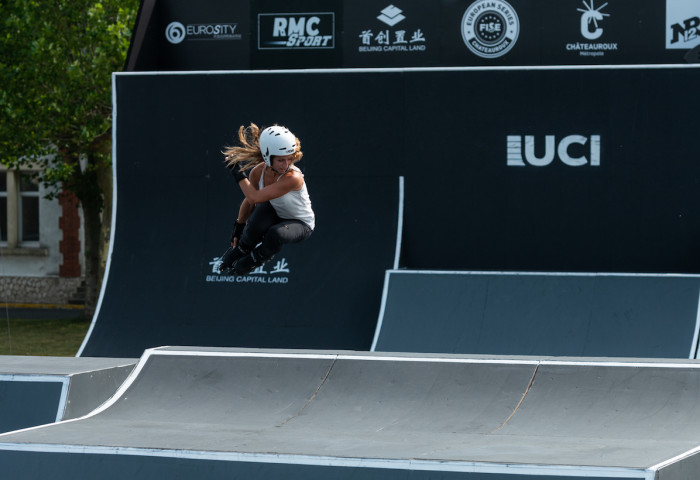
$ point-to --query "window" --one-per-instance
(3, 207)
(28, 208)
(19, 208)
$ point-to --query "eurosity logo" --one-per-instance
(298, 31)
(277, 273)
(177, 32)
(399, 39)
(682, 24)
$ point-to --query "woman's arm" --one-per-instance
(244, 211)
(290, 181)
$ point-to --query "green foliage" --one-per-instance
(56, 60)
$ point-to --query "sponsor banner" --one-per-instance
(600, 32)
(392, 34)
(490, 28)
(292, 31)
(207, 35)
(489, 32)
(682, 24)
(593, 22)
(296, 34)
(272, 34)
(176, 32)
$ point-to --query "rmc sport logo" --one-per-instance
(296, 31)
(572, 150)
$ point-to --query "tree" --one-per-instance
(56, 61)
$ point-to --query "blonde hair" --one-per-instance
(248, 152)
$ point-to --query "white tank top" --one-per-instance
(294, 205)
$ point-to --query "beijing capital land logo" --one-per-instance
(276, 272)
(391, 39)
(490, 28)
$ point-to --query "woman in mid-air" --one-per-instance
(276, 209)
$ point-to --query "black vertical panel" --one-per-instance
(636, 211)
(27, 404)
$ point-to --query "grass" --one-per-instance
(59, 337)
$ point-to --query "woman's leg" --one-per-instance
(286, 231)
(260, 221)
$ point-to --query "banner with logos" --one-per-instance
(272, 34)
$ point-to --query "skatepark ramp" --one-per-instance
(39, 390)
(569, 314)
(548, 179)
(235, 413)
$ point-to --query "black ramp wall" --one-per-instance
(538, 169)
(653, 316)
(631, 203)
(176, 204)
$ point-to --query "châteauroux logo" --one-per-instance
(591, 28)
(517, 156)
(590, 16)
(490, 28)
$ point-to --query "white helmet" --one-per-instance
(276, 141)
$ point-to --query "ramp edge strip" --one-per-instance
(553, 274)
(649, 66)
(694, 345)
(113, 220)
(409, 464)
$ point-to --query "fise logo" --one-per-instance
(572, 150)
(490, 28)
(282, 31)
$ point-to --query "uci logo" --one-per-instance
(571, 150)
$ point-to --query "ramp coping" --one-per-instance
(399, 224)
(422, 465)
(347, 71)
